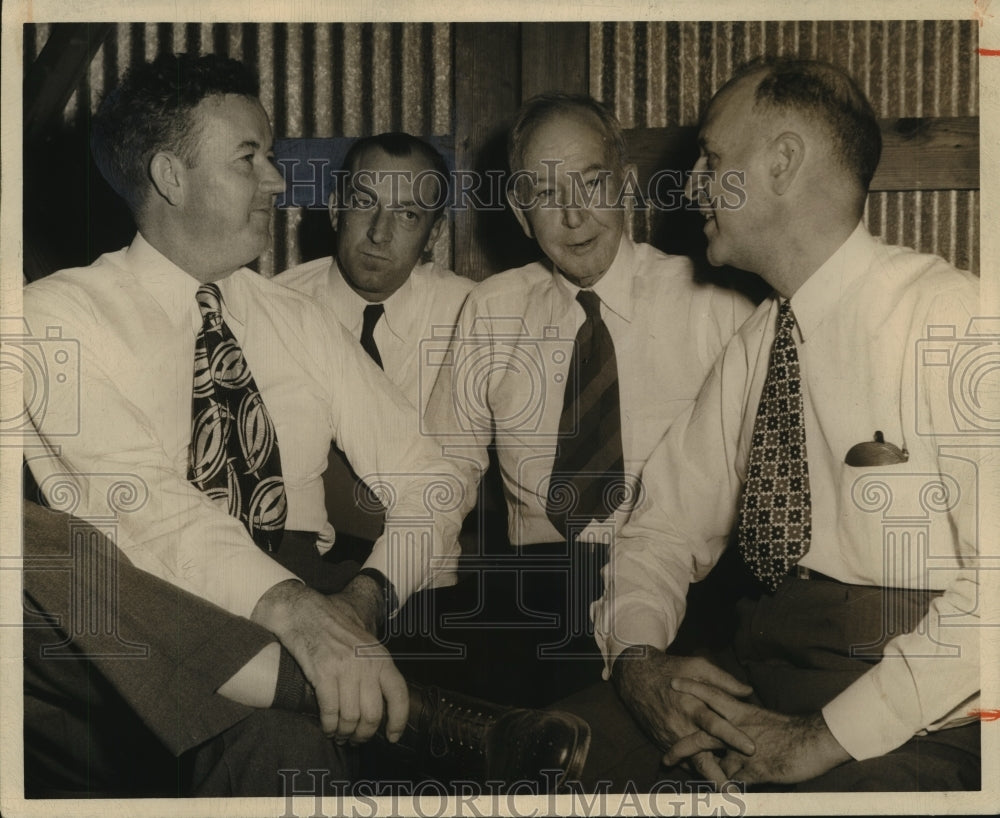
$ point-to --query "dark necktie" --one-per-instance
(588, 477)
(775, 514)
(372, 314)
(234, 450)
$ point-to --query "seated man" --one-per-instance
(207, 398)
(820, 437)
(575, 368)
(226, 713)
(378, 287)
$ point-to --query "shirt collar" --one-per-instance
(175, 290)
(171, 288)
(399, 316)
(614, 288)
(818, 296)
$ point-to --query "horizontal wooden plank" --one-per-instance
(940, 153)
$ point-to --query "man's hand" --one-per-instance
(790, 749)
(642, 676)
(323, 634)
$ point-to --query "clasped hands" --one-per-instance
(693, 710)
(331, 637)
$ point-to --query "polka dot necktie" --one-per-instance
(234, 455)
(775, 515)
(588, 476)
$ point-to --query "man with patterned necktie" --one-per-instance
(853, 665)
(573, 367)
(207, 400)
(387, 211)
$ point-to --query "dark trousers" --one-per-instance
(794, 648)
(516, 629)
(120, 674)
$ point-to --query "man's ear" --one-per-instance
(432, 237)
(788, 151)
(166, 171)
(519, 213)
(333, 207)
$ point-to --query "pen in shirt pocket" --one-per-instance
(876, 452)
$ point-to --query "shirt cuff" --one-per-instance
(863, 724)
(644, 628)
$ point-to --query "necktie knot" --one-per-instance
(591, 303)
(373, 312)
(786, 319)
(209, 299)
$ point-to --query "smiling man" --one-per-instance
(574, 367)
(821, 429)
(214, 394)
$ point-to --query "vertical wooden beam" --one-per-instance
(555, 57)
(487, 70)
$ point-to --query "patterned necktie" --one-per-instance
(588, 477)
(372, 314)
(234, 450)
(775, 514)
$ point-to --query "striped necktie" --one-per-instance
(775, 512)
(234, 455)
(588, 476)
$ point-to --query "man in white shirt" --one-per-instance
(821, 437)
(387, 210)
(146, 335)
(517, 374)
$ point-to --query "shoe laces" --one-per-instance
(453, 724)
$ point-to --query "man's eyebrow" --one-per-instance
(248, 143)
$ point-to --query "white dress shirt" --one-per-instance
(864, 368)
(130, 320)
(505, 375)
(423, 310)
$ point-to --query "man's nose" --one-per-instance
(696, 180)
(572, 215)
(380, 228)
(272, 182)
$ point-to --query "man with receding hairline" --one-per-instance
(843, 673)
(573, 367)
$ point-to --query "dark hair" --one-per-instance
(150, 111)
(539, 109)
(400, 144)
(827, 95)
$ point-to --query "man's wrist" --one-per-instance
(373, 597)
(626, 661)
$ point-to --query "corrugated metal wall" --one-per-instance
(317, 79)
(350, 79)
(664, 73)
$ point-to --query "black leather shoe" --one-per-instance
(454, 736)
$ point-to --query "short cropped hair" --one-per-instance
(402, 145)
(541, 108)
(151, 111)
(827, 95)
